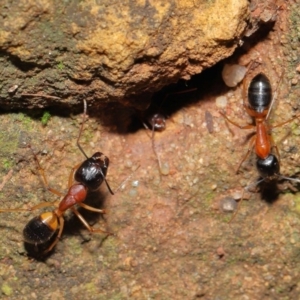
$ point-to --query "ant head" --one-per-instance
(157, 122)
(268, 167)
(92, 171)
(40, 229)
(260, 93)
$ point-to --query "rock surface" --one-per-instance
(110, 52)
(172, 238)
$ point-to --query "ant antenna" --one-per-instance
(81, 149)
(256, 183)
(289, 178)
(80, 131)
(110, 190)
(126, 179)
(154, 149)
(246, 189)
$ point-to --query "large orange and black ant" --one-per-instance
(88, 175)
(258, 107)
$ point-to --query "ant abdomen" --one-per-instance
(92, 171)
(40, 229)
(260, 93)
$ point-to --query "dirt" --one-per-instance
(171, 239)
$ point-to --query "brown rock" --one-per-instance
(117, 52)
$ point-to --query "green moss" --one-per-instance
(110, 252)
(227, 218)
(8, 145)
(7, 163)
(297, 203)
(6, 289)
(91, 288)
(25, 120)
(60, 66)
(45, 118)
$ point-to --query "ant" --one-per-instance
(156, 122)
(259, 105)
(89, 176)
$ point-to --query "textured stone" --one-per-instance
(116, 51)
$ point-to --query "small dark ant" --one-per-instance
(89, 176)
(156, 121)
(259, 105)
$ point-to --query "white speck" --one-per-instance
(135, 183)
(228, 204)
(221, 102)
(13, 88)
(165, 168)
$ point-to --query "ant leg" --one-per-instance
(251, 143)
(153, 144)
(44, 178)
(275, 147)
(249, 126)
(243, 198)
(274, 96)
(90, 208)
(71, 176)
(61, 227)
(155, 151)
(146, 126)
(238, 207)
(286, 122)
(81, 128)
(126, 179)
(85, 223)
(38, 206)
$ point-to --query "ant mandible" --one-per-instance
(89, 176)
(259, 107)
